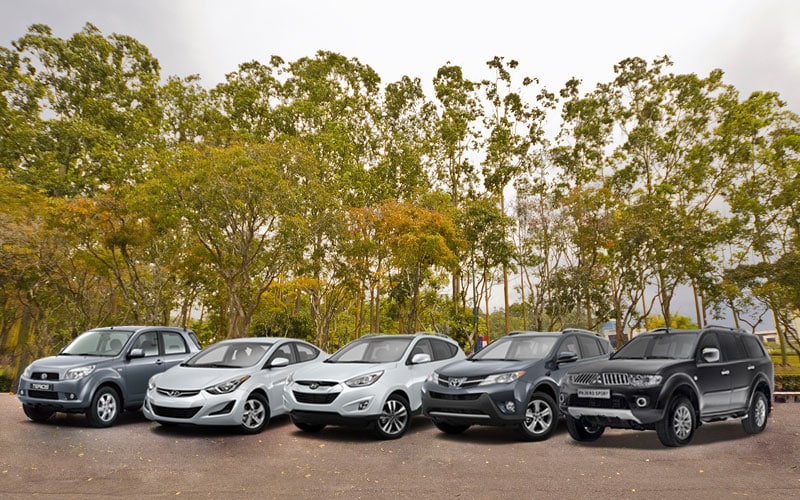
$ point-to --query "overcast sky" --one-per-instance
(755, 42)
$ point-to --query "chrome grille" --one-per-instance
(600, 378)
(172, 393)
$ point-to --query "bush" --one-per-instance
(787, 382)
(5, 383)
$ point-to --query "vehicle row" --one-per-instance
(670, 381)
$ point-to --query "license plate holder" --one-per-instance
(594, 393)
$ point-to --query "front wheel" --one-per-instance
(582, 431)
(678, 425)
(756, 419)
(541, 417)
(37, 413)
(256, 414)
(105, 408)
(394, 419)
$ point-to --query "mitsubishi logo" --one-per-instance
(455, 383)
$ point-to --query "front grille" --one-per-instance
(170, 393)
(166, 411)
(318, 383)
(600, 378)
(315, 399)
(47, 376)
(444, 381)
(614, 403)
(43, 394)
(454, 397)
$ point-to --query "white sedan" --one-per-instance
(236, 382)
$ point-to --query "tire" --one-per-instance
(679, 423)
(307, 426)
(450, 428)
(541, 418)
(105, 408)
(256, 414)
(756, 419)
(394, 419)
(37, 413)
(582, 431)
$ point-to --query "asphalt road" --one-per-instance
(137, 458)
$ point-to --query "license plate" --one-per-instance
(594, 393)
(40, 387)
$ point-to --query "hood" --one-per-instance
(467, 368)
(186, 378)
(628, 366)
(339, 372)
(62, 362)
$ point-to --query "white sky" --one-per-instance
(755, 42)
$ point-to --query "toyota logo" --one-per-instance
(455, 383)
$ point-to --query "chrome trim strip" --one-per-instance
(578, 412)
(458, 415)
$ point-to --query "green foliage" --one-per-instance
(678, 322)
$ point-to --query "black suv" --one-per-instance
(672, 381)
(511, 382)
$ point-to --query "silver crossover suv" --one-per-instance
(102, 371)
(372, 381)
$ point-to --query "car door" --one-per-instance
(569, 343)
(139, 370)
(174, 348)
(417, 373)
(278, 374)
(712, 377)
(737, 364)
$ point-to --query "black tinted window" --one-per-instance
(284, 351)
(570, 345)
(305, 352)
(443, 350)
(733, 350)
(753, 346)
(589, 346)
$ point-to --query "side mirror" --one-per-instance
(420, 358)
(278, 363)
(710, 354)
(566, 357)
(136, 353)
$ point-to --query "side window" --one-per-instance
(284, 351)
(733, 350)
(173, 343)
(305, 352)
(422, 347)
(589, 347)
(443, 350)
(753, 346)
(148, 342)
(708, 340)
(570, 344)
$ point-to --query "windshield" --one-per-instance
(373, 350)
(517, 348)
(230, 355)
(98, 343)
(672, 345)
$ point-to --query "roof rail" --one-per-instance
(582, 330)
(435, 334)
(731, 328)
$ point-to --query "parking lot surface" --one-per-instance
(137, 458)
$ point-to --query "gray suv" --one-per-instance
(102, 371)
(514, 381)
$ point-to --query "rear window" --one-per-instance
(753, 346)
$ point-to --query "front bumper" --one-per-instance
(201, 408)
(487, 405)
(60, 395)
(336, 404)
(627, 407)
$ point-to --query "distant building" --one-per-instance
(768, 336)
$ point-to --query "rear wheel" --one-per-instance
(256, 414)
(37, 413)
(450, 428)
(541, 417)
(756, 420)
(580, 430)
(105, 408)
(678, 425)
(394, 419)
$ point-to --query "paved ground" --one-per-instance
(137, 458)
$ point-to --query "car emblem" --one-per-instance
(455, 383)
(598, 380)
(44, 376)
(174, 394)
(313, 386)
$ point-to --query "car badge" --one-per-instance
(455, 383)
(44, 376)
(313, 386)
(598, 380)
(174, 394)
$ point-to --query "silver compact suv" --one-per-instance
(102, 371)
(373, 381)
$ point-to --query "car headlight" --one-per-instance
(78, 373)
(502, 378)
(640, 380)
(364, 380)
(151, 384)
(433, 378)
(227, 387)
(26, 373)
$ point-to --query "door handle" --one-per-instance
(725, 372)
(751, 367)
(159, 361)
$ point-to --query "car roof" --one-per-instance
(136, 328)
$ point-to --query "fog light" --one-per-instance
(22, 392)
(562, 398)
(70, 396)
(509, 407)
(363, 405)
(641, 401)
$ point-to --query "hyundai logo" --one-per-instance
(313, 386)
(174, 394)
(455, 383)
